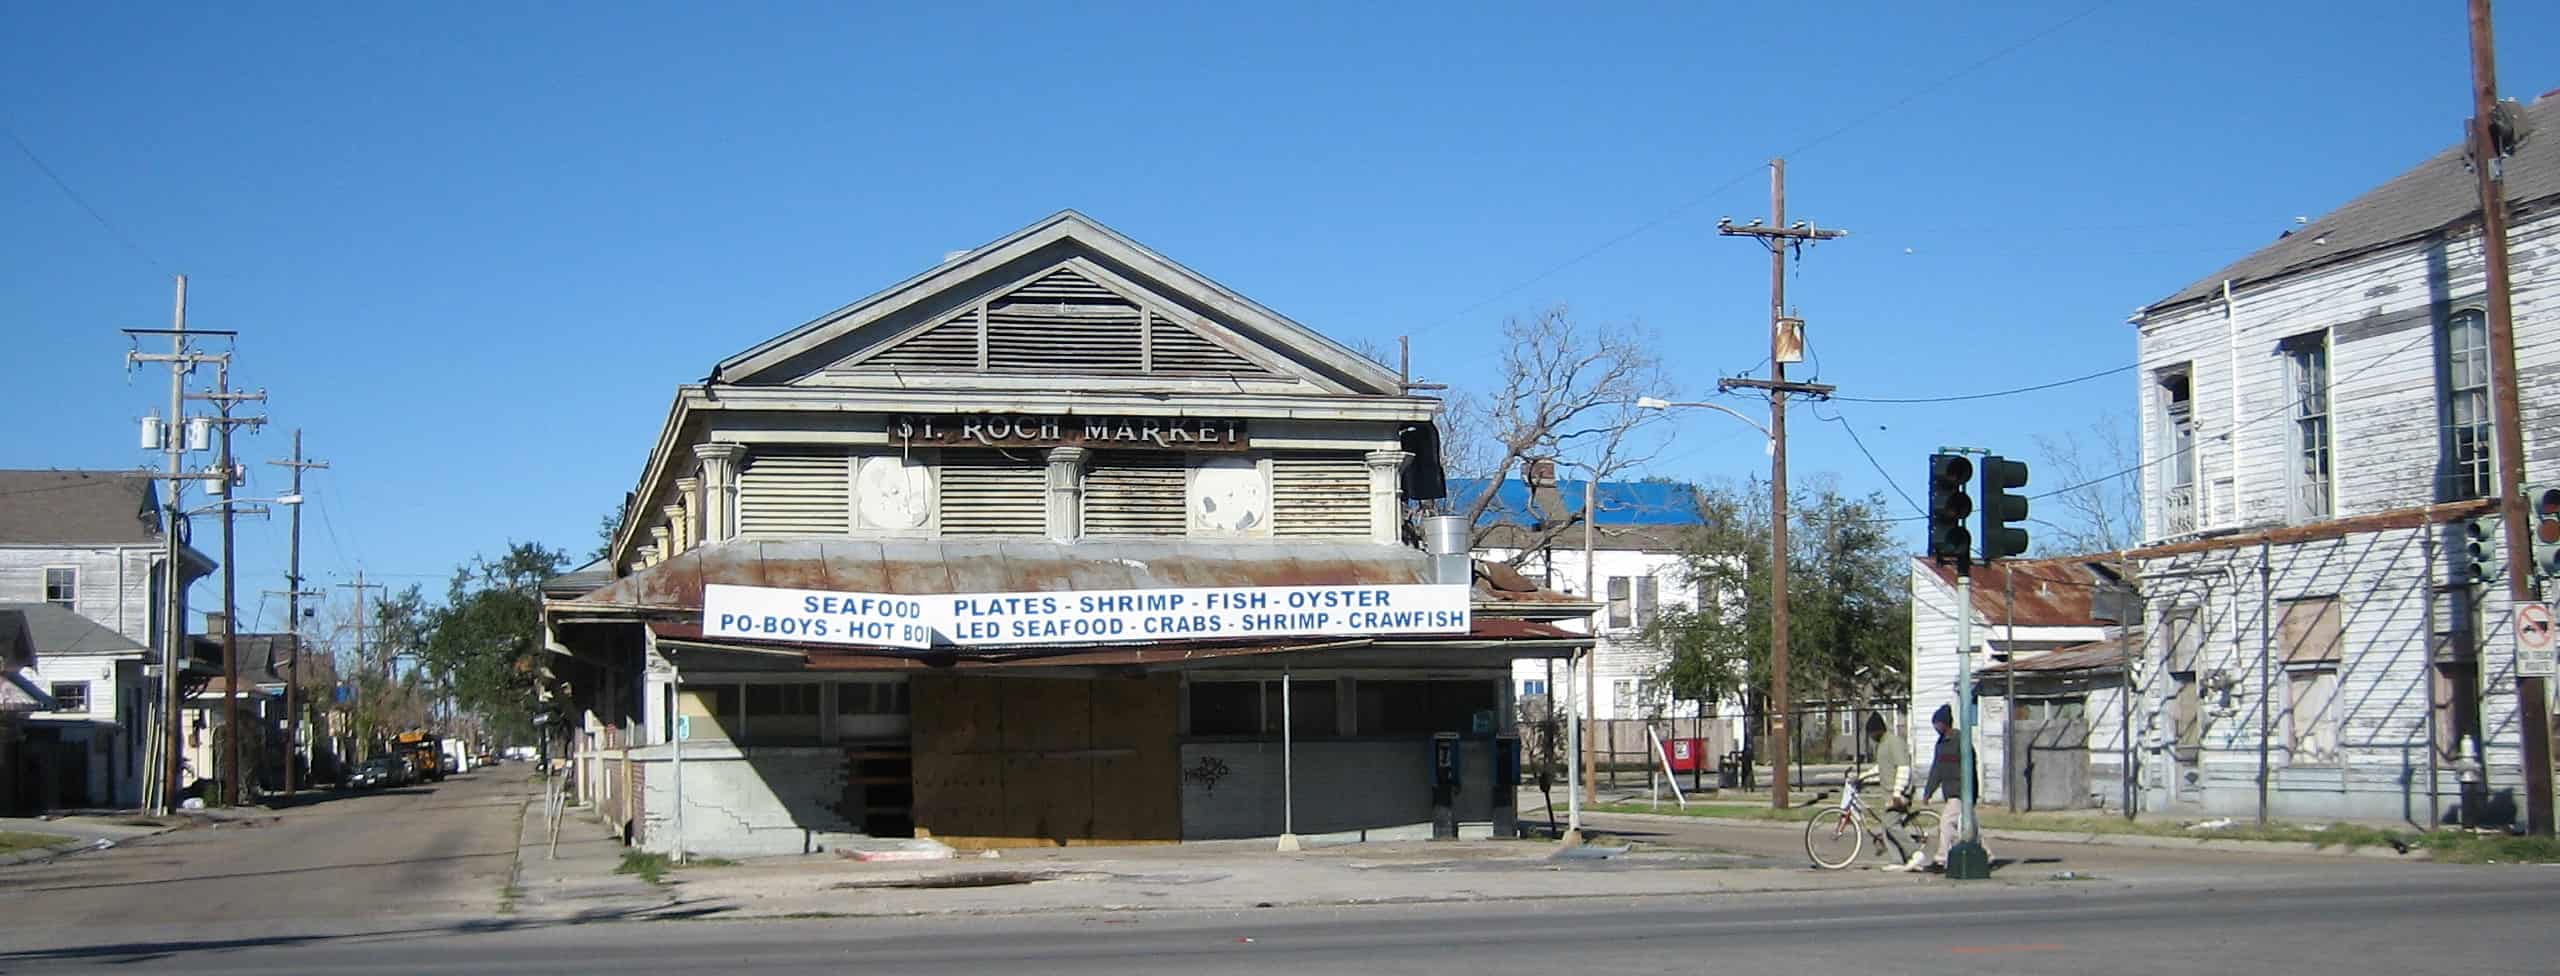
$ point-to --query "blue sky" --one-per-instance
(471, 249)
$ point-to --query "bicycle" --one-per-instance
(1836, 834)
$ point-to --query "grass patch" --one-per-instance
(710, 862)
(651, 867)
(15, 841)
(2457, 847)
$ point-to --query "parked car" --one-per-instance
(378, 773)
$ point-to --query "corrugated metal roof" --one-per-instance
(2093, 656)
(922, 566)
(102, 508)
(2050, 592)
(2439, 193)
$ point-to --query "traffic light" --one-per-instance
(2001, 538)
(2480, 552)
(1949, 506)
(2542, 504)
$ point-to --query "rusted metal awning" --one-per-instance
(2092, 656)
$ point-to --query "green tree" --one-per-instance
(1848, 627)
(483, 646)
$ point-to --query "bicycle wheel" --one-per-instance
(1832, 838)
(1919, 833)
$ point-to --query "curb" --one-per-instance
(2148, 841)
(34, 854)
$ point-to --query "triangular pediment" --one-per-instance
(1066, 297)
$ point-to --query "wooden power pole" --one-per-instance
(293, 594)
(1786, 345)
(2532, 691)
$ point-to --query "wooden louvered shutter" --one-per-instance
(1177, 351)
(1064, 323)
(988, 493)
(1319, 496)
(795, 492)
(1136, 493)
(949, 347)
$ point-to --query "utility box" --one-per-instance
(1686, 755)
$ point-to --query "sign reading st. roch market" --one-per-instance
(1083, 617)
(1050, 430)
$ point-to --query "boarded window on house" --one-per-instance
(1319, 495)
(2309, 633)
(2311, 709)
(2183, 638)
(1136, 493)
(1648, 600)
(983, 493)
(786, 491)
(2186, 714)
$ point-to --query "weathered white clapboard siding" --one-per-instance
(2384, 313)
(1618, 655)
(114, 582)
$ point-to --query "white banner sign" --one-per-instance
(1085, 616)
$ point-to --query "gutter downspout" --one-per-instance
(2266, 632)
(2231, 426)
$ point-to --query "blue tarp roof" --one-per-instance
(1621, 502)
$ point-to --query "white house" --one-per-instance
(2315, 431)
(88, 543)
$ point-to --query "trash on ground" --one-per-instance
(2217, 823)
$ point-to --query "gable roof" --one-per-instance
(1110, 290)
(2438, 194)
(86, 508)
(49, 629)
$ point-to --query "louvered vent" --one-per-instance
(795, 493)
(949, 347)
(1178, 351)
(1063, 322)
(1130, 493)
(988, 493)
(1319, 496)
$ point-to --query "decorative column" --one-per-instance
(689, 502)
(1066, 493)
(674, 541)
(662, 551)
(1386, 485)
(720, 489)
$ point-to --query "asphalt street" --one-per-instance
(413, 881)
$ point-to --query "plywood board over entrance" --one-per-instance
(1035, 762)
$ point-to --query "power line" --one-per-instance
(1852, 431)
(2126, 368)
(1889, 108)
(81, 202)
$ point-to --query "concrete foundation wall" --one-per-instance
(1233, 788)
(749, 803)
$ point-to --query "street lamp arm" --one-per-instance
(1652, 403)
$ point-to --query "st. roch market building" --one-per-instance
(1058, 542)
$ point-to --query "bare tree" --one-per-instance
(2101, 508)
(1566, 392)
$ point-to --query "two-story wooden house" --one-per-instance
(89, 543)
(2316, 429)
(1056, 542)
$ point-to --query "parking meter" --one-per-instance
(1445, 765)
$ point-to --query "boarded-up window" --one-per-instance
(795, 492)
(2310, 632)
(710, 711)
(1135, 493)
(1648, 600)
(2311, 704)
(1319, 496)
(2186, 713)
(2182, 637)
(993, 493)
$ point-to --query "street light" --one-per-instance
(1658, 403)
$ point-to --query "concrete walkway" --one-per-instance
(84, 832)
(580, 881)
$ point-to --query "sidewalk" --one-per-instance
(580, 882)
(80, 833)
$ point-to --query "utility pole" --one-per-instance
(172, 436)
(2488, 166)
(226, 476)
(363, 657)
(293, 595)
(1786, 345)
